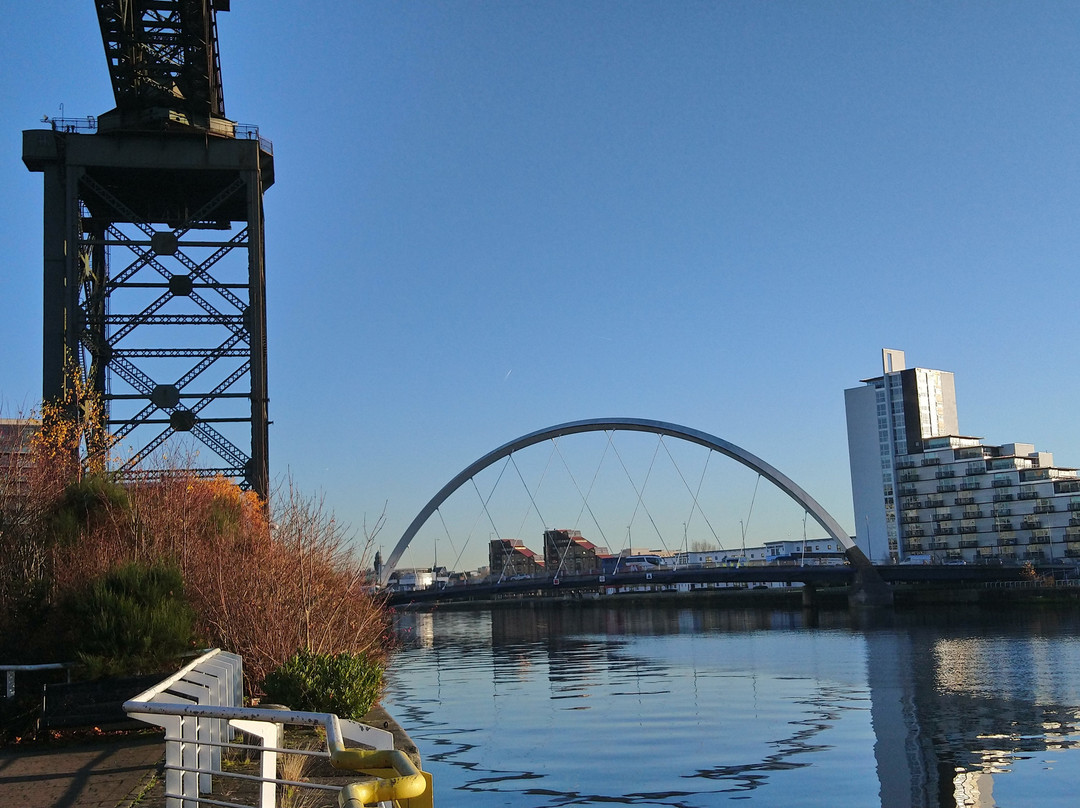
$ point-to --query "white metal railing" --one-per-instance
(1032, 584)
(201, 709)
(11, 670)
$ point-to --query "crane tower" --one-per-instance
(154, 276)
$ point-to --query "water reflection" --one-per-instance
(550, 706)
(956, 704)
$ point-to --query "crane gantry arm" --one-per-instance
(163, 61)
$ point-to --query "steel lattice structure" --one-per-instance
(154, 270)
(163, 55)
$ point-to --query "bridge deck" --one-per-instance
(819, 576)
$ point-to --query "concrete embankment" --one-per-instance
(379, 718)
(989, 596)
(906, 596)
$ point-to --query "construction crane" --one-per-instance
(160, 306)
(163, 61)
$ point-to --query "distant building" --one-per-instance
(467, 577)
(16, 435)
(791, 552)
(509, 558)
(921, 490)
(410, 580)
(566, 552)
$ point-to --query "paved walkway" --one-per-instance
(111, 772)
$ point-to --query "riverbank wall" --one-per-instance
(906, 596)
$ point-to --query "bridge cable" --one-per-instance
(751, 511)
(641, 493)
(695, 494)
(584, 496)
(610, 434)
(697, 501)
(539, 485)
(484, 505)
(484, 502)
(446, 530)
(802, 562)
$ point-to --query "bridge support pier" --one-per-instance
(868, 590)
(809, 596)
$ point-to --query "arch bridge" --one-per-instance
(868, 584)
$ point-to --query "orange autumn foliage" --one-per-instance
(265, 581)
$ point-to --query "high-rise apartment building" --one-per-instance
(889, 417)
(921, 489)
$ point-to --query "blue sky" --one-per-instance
(493, 217)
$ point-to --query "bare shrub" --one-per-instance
(263, 590)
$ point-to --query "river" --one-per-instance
(672, 706)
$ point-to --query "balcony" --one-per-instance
(1040, 538)
(965, 499)
(968, 544)
(1001, 510)
(938, 545)
(973, 514)
(1003, 524)
(908, 491)
(908, 476)
(942, 517)
(970, 485)
(1009, 541)
(1027, 493)
(1043, 509)
(941, 530)
(1003, 497)
(1034, 555)
(934, 502)
(905, 464)
(1074, 506)
(945, 488)
(914, 532)
(931, 461)
(909, 519)
(1072, 552)
(944, 474)
(1030, 523)
(968, 529)
(1002, 483)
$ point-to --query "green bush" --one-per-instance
(344, 684)
(133, 619)
(84, 501)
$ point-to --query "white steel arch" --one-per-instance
(776, 477)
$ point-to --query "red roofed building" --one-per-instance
(509, 558)
(566, 552)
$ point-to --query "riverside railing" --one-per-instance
(11, 670)
(201, 709)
